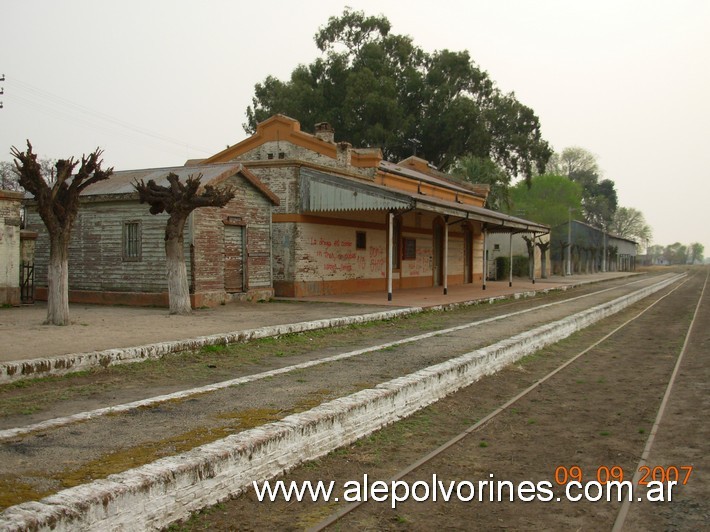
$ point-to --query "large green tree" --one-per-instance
(551, 199)
(676, 253)
(483, 171)
(696, 252)
(630, 223)
(379, 89)
(599, 197)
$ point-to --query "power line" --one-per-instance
(63, 108)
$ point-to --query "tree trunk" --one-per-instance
(178, 287)
(58, 281)
(543, 264)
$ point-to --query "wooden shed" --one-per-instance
(117, 252)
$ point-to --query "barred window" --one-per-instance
(409, 249)
(360, 240)
(131, 241)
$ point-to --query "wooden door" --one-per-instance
(234, 258)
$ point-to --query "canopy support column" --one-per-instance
(532, 259)
(485, 256)
(510, 261)
(445, 272)
(390, 253)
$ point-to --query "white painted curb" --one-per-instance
(60, 365)
(154, 495)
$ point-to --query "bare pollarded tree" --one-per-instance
(179, 200)
(58, 205)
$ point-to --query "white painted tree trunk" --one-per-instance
(543, 264)
(58, 282)
(178, 287)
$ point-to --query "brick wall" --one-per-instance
(251, 210)
(282, 150)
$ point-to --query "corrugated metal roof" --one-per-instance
(497, 221)
(121, 182)
(326, 192)
(321, 191)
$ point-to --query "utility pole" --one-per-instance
(2, 89)
(569, 240)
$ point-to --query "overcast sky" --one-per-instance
(154, 83)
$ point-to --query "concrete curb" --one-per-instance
(61, 365)
(157, 494)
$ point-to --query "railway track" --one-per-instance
(418, 347)
(643, 466)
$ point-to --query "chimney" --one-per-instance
(325, 131)
(344, 154)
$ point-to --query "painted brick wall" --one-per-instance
(275, 150)
(250, 208)
(328, 253)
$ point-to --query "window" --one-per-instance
(360, 240)
(131, 241)
(282, 155)
(409, 250)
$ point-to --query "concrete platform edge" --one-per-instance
(16, 370)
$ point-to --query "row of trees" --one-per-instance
(56, 192)
(677, 253)
(570, 187)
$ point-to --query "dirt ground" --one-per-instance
(99, 327)
(595, 414)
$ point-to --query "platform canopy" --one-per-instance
(325, 192)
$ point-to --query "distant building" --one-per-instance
(499, 245)
(590, 249)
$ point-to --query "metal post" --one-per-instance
(390, 254)
(510, 261)
(569, 243)
(532, 271)
(445, 273)
(485, 261)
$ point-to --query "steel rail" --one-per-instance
(624, 510)
(339, 514)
